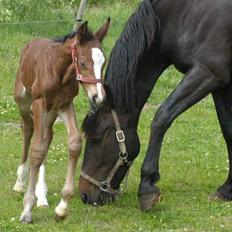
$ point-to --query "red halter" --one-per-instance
(79, 76)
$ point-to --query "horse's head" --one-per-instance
(90, 61)
(111, 146)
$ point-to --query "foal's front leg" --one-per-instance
(195, 86)
(74, 146)
(43, 122)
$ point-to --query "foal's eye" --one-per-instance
(82, 64)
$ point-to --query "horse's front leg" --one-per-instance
(43, 122)
(74, 146)
(195, 86)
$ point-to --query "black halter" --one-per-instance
(122, 160)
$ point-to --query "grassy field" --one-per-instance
(193, 161)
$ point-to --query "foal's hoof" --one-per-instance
(18, 187)
(58, 218)
(218, 196)
(147, 201)
(25, 219)
(42, 203)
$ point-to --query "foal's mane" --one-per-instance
(135, 39)
(88, 36)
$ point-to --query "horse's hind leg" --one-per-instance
(74, 146)
(223, 103)
(23, 99)
(43, 122)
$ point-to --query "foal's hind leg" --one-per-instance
(23, 99)
(74, 146)
(196, 85)
(41, 187)
(43, 122)
(223, 103)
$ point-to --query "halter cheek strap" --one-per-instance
(79, 76)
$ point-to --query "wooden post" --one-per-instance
(80, 13)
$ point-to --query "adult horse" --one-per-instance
(47, 82)
(194, 36)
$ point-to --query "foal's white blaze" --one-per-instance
(98, 60)
(41, 188)
(22, 174)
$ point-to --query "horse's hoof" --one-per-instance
(58, 218)
(25, 219)
(147, 201)
(218, 196)
(18, 187)
(42, 204)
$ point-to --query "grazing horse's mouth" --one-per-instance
(99, 199)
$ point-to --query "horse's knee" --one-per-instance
(37, 156)
(161, 121)
(74, 143)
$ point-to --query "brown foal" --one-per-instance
(46, 84)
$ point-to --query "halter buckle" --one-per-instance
(123, 156)
(104, 186)
(79, 77)
(120, 136)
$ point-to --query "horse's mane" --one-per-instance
(135, 39)
(88, 36)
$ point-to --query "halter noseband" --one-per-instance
(79, 76)
(122, 160)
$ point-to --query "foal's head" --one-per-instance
(90, 61)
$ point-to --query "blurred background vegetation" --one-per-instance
(33, 10)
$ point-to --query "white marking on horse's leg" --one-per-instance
(41, 188)
(22, 174)
(62, 208)
(98, 60)
(74, 145)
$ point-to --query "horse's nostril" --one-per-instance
(84, 198)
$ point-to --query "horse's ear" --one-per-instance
(101, 33)
(82, 31)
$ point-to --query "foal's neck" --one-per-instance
(64, 60)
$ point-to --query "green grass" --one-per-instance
(193, 159)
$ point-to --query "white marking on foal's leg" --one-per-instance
(21, 182)
(62, 208)
(98, 60)
(41, 188)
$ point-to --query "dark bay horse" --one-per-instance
(196, 37)
(47, 82)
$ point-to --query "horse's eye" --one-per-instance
(82, 64)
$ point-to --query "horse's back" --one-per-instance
(199, 31)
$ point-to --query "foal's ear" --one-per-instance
(82, 31)
(101, 33)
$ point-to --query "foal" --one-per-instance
(46, 84)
